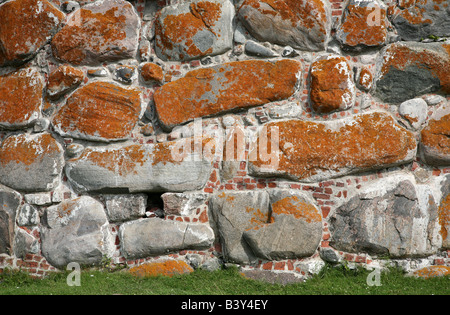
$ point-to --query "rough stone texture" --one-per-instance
(226, 87)
(25, 243)
(409, 69)
(107, 30)
(435, 140)
(20, 98)
(273, 225)
(120, 208)
(332, 87)
(31, 162)
(300, 24)
(10, 202)
(415, 111)
(27, 25)
(393, 216)
(363, 24)
(168, 268)
(183, 203)
(444, 213)
(62, 80)
(76, 231)
(416, 20)
(151, 72)
(154, 237)
(194, 29)
(365, 80)
(99, 111)
(137, 168)
(332, 148)
(431, 272)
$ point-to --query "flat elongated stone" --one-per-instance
(20, 98)
(107, 30)
(99, 111)
(301, 24)
(31, 162)
(409, 69)
(194, 29)
(138, 168)
(314, 151)
(226, 87)
(25, 28)
(10, 202)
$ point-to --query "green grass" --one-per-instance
(331, 281)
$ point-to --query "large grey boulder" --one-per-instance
(154, 236)
(392, 217)
(76, 231)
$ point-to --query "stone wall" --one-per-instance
(277, 135)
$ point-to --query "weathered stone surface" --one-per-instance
(120, 208)
(415, 111)
(332, 87)
(62, 80)
(409, 69)
(253, 48)
(185, 203)
(76, 231)
(25, 243)
(151, 72)
(168, 268)
(31, 162)
(226, 87)
(10, 202)
(273, 224)
(293, 228)
(20, 98)
(154, 237)
(314, 151)
(99, 111)
(444, 213)
(194, 29)
(365, 80)
(26, 27)
(300, 24)
(138, 168)
(27, 215)
(393, 216)
(107, 30)
(431, 272)
(435, 140)
(415, 20)
(363, 24)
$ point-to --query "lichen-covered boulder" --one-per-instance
(20, 98)
(63, 79)
(301, 24)
(435, 139)
(107, 30)
(195, 29)
(27, 25)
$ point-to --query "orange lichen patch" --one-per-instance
(97, 33)
(175, 152)
(359, 28)
(209, 91)
(309, 148)
(297, 208)
(179, 30)
(258, 218)
(26, 150)
(121, 161)
(100, 109)
(414, 15)
(20, 97)
(399, 56)
(331, 85)
(25, 27)
(167, 268)
(64, 77)
(437, 135)
(365, 78)
(444, 219)
(432, 271)
(152, 72)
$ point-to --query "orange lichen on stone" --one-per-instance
(258, 218)
(309, 148)
(121, 161)
(27, 151)
(167, 268)
(26, 25)
(444, 220)
(296, 207)
(432, 271)
(152, 72)
(359, 28)
(437, 135)
(414, 15)
(175, 152)
(231, 86)
(62, 78)
(100, 110)
(20, 97)
(365, 80)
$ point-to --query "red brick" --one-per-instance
(279, 265)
